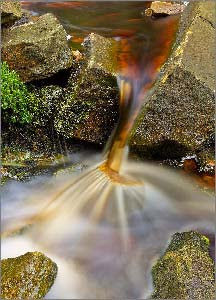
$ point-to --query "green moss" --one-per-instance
(17, 103)
(186, 270)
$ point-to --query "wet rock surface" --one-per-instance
(29, 276)
(186, 270)
(23, 165)
(37, 49)
(10, 11)
(89, 109)
(178, 118)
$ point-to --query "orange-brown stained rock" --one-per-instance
(204, 179)
(190, 166)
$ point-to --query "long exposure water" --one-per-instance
(106, 227)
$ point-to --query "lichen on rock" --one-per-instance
(29, 276)
(186, 270)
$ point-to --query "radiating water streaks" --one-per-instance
(122, 216)
(100, 204)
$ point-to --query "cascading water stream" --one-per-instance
(109, 224)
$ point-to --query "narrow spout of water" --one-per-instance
(140, 60)
(118, 142)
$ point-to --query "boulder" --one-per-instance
(186, 270)
(29, 276)
(37, 49)
(179, 116)
(49, 99)
(102, 53)
(10, 11)
(89, 110)
(164, 8)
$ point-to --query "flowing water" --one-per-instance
(106, 227)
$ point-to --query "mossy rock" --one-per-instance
(186, 270)
(29, 276)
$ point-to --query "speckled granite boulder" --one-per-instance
(37, 49)
(29, 276)
(179, 117)
(186, 270)
(10, 11)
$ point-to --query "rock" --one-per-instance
(89, 110)
(84, 107)
(10, 11)
(21, 164)
(179, 117)
(25, 18)
(186, 270)
(206, 156)
(162, 8)
(102, 53)
(77, 55)
(27, 276)
(50, 98)
(90, 107)
(38, 49)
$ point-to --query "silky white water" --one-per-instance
(105, 236)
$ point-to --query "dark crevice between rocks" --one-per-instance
(61, 79)
(166, 149)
